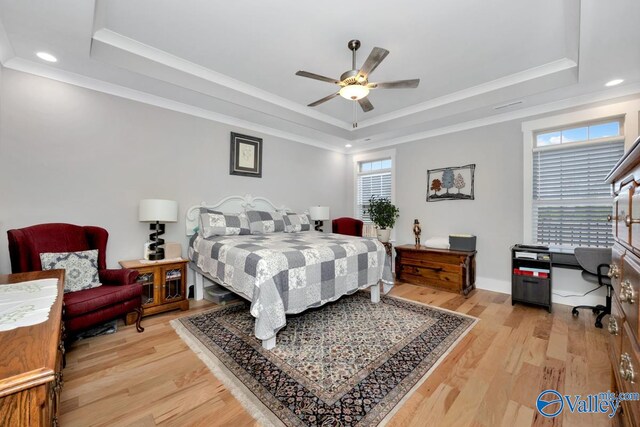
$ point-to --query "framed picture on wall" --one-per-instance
(246, 155)
(452, 183)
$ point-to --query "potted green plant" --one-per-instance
(383, 214)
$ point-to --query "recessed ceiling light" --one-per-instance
(348, 145)
(46, 57)
(614, 82)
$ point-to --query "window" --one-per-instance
(571, 201)
(374, 178)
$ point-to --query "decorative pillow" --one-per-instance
(262, 222)
(294, 223)
(81, 268)
(215, 223)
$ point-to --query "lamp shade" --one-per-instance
(319, 213)
(158, 210)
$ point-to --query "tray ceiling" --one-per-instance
(235, 61)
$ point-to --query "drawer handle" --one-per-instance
(614, 271)
(626, 370)
(613, 326)
(628, 220)
(627, 294)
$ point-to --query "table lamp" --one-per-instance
(156, 211)
(319, 214)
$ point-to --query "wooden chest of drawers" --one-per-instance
(31, 369)
(453, 271)
(624, 322)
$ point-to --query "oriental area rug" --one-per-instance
(347, 363)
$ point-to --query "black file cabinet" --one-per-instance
(531, 276)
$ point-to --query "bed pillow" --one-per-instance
(81, 268)
(213, 223)
(263, 222)
(294, 223)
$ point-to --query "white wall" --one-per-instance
(495, 216)
(69, 154)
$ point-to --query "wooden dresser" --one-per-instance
(31, 363)
(624, 322)
(441, 268)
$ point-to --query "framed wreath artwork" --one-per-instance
(246, 155)
(452, 183)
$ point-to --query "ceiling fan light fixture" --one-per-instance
(354, 92)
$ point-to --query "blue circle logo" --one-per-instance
(546, 401)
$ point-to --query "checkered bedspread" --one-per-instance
(286, 273)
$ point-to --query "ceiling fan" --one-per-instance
(354, 83)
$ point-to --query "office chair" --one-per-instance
(595, 264)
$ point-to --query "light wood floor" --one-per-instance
(492, 378)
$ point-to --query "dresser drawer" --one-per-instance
(617, 264)
(614, 324)
(634, 218)
(623, 232)
(627, 290)
(440, 258)
(628, 370)
(434, 272)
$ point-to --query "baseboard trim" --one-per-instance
(494, 285)
(557, 296)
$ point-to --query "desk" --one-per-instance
(31, 370)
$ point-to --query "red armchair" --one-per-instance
(119, 293)
(349, 226)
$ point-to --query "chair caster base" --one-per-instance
(598, 324)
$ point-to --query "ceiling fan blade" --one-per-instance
(317, 77)
(398, 84)
(325, 99)
(365, 104)
(375, 58)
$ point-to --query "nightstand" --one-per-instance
(163, 284)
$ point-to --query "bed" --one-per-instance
(283, 273)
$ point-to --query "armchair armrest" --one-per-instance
(122, 276)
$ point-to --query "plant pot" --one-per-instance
(383, 234)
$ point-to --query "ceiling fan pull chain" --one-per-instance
(355, 114)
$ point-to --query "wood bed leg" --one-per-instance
(269, 344)
(375, 293)
(198, 287)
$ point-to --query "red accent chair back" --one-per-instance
(346, 225)
(119, 293)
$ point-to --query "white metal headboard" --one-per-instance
(232, 204)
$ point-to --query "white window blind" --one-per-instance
(374, 179)
(571, 201)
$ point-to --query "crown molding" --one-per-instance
(134, 47)
(57, 74)
(604, 95)
(137, 48)
(501, 83)
(31, 67)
